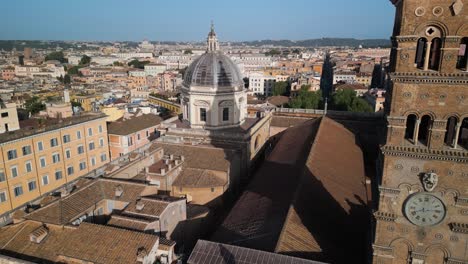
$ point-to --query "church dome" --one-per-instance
(213, 69)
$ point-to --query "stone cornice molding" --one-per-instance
(459, 228)
(389, 191)
(425, 153)
(430, 77)
(455, 261)
(462, 201)
(382, 250)
(408, 38)
(384, 216)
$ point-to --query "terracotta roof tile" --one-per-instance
(68, 208)
(134, 124)
(198, 178)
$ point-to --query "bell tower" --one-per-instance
(422, 214)
(212, 40)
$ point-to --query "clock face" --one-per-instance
(424, 209)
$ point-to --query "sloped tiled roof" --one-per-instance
(199, 178)
(307, 199)
(134, 124)
(68, 208)
(216, 253)
(15, 241)
(105, 244)
(198, 157)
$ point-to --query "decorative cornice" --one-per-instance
(382, 250)
(430, 77)
(418, 255)
(462, 201)
(456, 261)
(383, 216)
(411, 38)
(453, 38)
(425, 153)
(387, 190)
(459, 228)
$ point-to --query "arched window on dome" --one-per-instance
(462, 62)
(420, 53)
(434, 57)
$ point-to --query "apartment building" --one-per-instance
(130, 133)
(48, 153)
(8, 117)
(261, 84)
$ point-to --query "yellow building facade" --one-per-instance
(42, 162)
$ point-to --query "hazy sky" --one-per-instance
(188, 20)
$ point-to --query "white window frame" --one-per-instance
(45, 162)
(16, 170)
(40, 146)
(14, 190)
(4, 192)
(35, 185)
(45, 177)
(26, 166)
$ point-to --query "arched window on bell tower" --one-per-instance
(429, 48)
(434, 57)
(462, 62)
(420, 53)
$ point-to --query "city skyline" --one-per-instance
(189, 21)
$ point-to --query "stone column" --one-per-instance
(416, 132)
(427, 56)
(457, 134)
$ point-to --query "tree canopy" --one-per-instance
(34, 105)
(138, 64)
(280, 88)
(188, 51)
(58, 55)
(85, 60)
(273, 52)
(346, 100)
(306, 99)
(74, 70)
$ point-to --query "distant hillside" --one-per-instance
(323, 42)
(310, 43)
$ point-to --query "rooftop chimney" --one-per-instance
(140, 205)
(39, 234)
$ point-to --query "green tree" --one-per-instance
(58, 55)
(66, 79)
(306, 99)
(273, 52)
(74, 103)
(74, 70)
(188, 51)
(138, 64)
(346, 100)
(280, 88)
(118, 63)
(34, 105)
(85, 60)
(360, 105)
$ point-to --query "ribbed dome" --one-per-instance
(213, 69)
